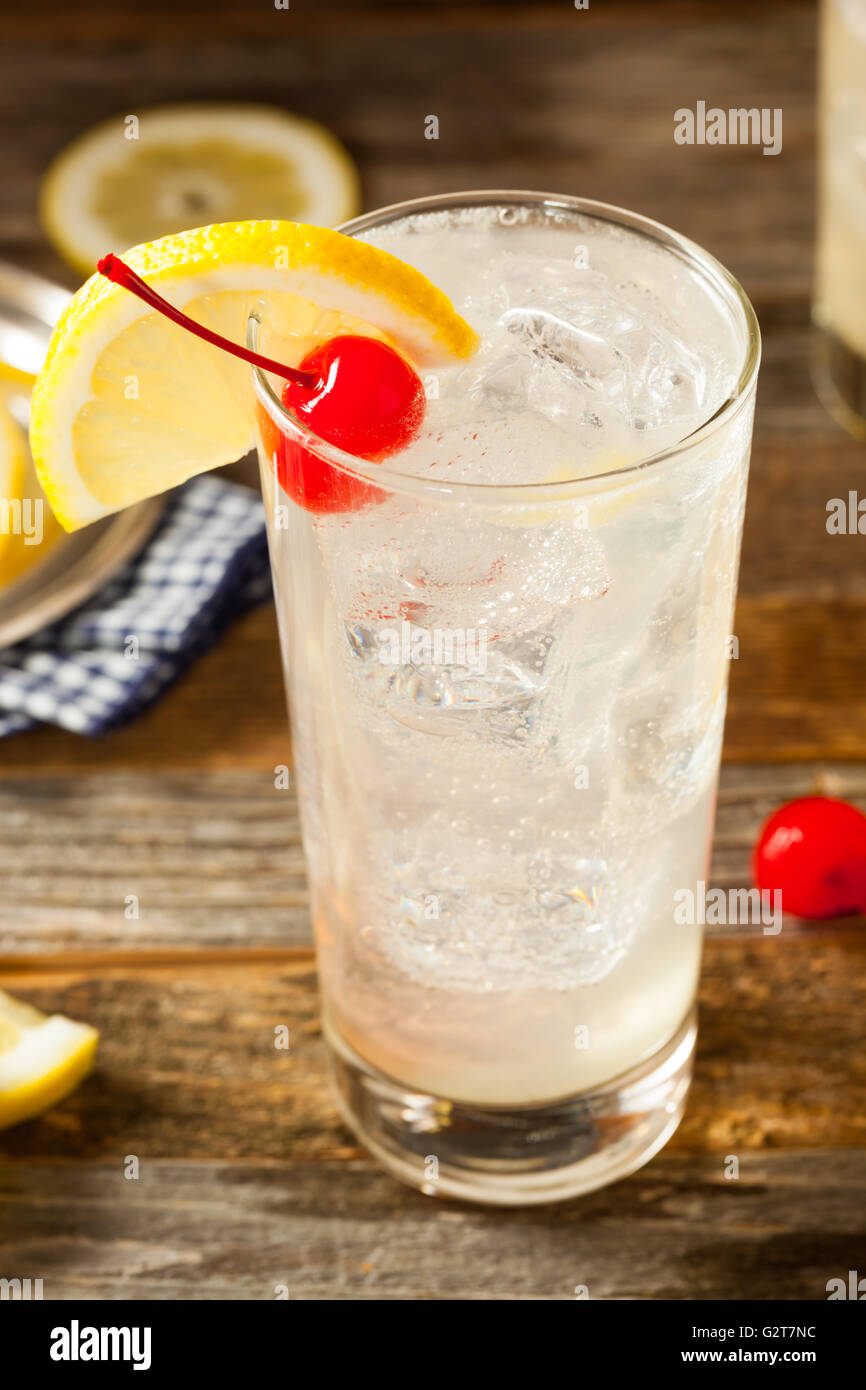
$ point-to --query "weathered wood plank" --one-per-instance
(536, 113)
(188, 1067)
(797, 687)
(343, 1230)
(208, 859)
(96, 21)
(215, 858)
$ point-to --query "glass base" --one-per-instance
(839, 377)
(521, 1156)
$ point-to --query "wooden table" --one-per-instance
(247, 1178)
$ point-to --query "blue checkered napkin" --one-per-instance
(106, 662)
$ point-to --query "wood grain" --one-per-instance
(188, 1066)
(523, 94)
(343, 1230)
(214, 859)
(99, 21)
(248, 1179)
(211, 858)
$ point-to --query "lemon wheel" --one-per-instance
(139, 177)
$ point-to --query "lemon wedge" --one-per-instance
(128, 404)
(134, 178)
(42, 1059)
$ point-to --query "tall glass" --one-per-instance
(507, 704)
(840, 289)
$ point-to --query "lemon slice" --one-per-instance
(135, 178)
(42, 1059)
(128, 404)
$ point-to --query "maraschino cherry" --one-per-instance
(354, 392)
(367, 400)
(814, 851)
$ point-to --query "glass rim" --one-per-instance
(384, 475)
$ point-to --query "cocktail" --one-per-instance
(505, 592)
(840, 291)
(507, 654)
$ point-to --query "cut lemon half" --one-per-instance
(129, 404)
(42, 1059)
(135, 178)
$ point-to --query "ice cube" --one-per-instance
(582, 353)
(484, 918)
(623, 365)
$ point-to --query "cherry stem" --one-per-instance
(116, 270)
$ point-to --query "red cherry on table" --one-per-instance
(814, 851)
(367, 400)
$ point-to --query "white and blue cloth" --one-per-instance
(114, 656)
